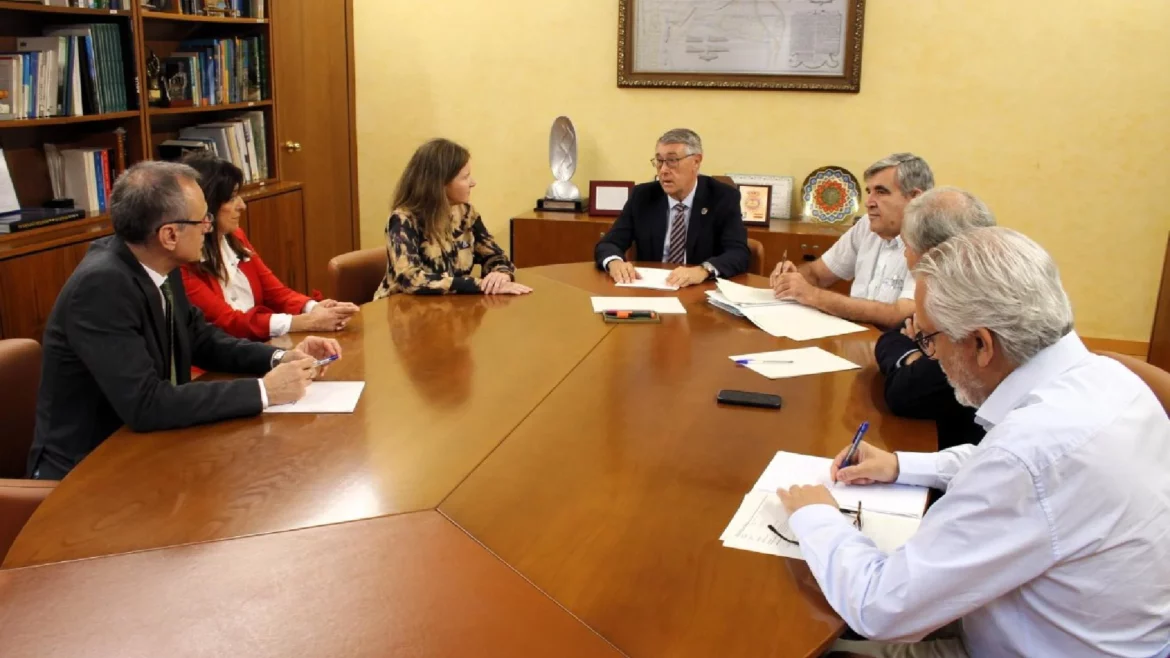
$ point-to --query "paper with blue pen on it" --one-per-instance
(662, 305)
(803, 361)
(653, 278)
(323, 398)
(890, 513)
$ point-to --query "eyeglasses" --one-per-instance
(926, 343)
(852, 514)
(205, 222)
(671, 163)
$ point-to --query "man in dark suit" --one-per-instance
(121, 338)
(916, 386)
(683, 218)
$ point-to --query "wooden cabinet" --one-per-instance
(275, 225)
(315, 131)
(551, 238)
(29, 286)
(1160, 336)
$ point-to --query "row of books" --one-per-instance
(242, 140)
(71, 71)
(217, 71)
(85, 175)
(239, 8)
(88, 4)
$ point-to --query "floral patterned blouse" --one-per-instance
(417, 265)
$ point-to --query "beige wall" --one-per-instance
(1057, 113)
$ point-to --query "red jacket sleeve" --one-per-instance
(205, 292)
(273, 294)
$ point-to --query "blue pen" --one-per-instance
(856, 442)
(744, 362)
(328, 359)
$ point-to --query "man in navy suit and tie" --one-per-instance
(683, 218)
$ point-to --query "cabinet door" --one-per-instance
(29, 286)
(1160, 335)
(276, 228)
(315, 131)
(538, 242)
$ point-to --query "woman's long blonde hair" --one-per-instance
(422, 190)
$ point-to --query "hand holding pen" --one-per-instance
(862, 463)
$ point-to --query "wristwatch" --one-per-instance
(711, 273)
(276, 357)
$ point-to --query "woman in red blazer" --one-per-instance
(231, 285)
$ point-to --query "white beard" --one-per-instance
(962, 379)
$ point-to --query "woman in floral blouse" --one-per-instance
(435, 237)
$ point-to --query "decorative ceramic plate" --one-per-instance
(830, 195)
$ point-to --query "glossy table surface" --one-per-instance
(591, 458)
(379, 587)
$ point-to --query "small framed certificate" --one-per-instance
(781, 191)
(755, 201)
(608, 197)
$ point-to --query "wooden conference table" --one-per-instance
(590, 458)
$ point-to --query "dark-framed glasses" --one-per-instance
(205, 222)
(926, 343)
(671, 163)
(853, 515)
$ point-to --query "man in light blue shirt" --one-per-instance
(1053, 538)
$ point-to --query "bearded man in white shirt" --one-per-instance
(1053, 538)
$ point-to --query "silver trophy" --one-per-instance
(562, 194)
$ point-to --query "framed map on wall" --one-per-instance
(799, 45)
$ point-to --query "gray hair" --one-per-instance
(147, 196)
(998, 279)
(913, 172)
(684, 136)
(940, 214)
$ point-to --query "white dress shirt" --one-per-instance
(1053, 538)
(237, 292)
(877, 266)
(160, 279)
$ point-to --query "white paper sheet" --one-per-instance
(805, 361)
(716, 299)
(742, 295)
(612, 198)
(8, 200)
(652, 278)
(749, 531)
(788, 469)
(323, 398)
(663, 305)
(798, 322)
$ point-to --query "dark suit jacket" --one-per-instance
(921, 390)
(715, 233)
(106, 362)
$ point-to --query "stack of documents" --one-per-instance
(794, 363)
(662, 305)
(652, 278)
(890, 513)
(782, 318)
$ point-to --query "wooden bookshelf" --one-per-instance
(61, 121)
(227, 107)
(7, 5)
(35, 263)
(188, 18)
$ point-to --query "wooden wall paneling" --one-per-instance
(276, 227)
(311, 70)
(29, 286)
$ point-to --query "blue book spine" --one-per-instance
(100, 179)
